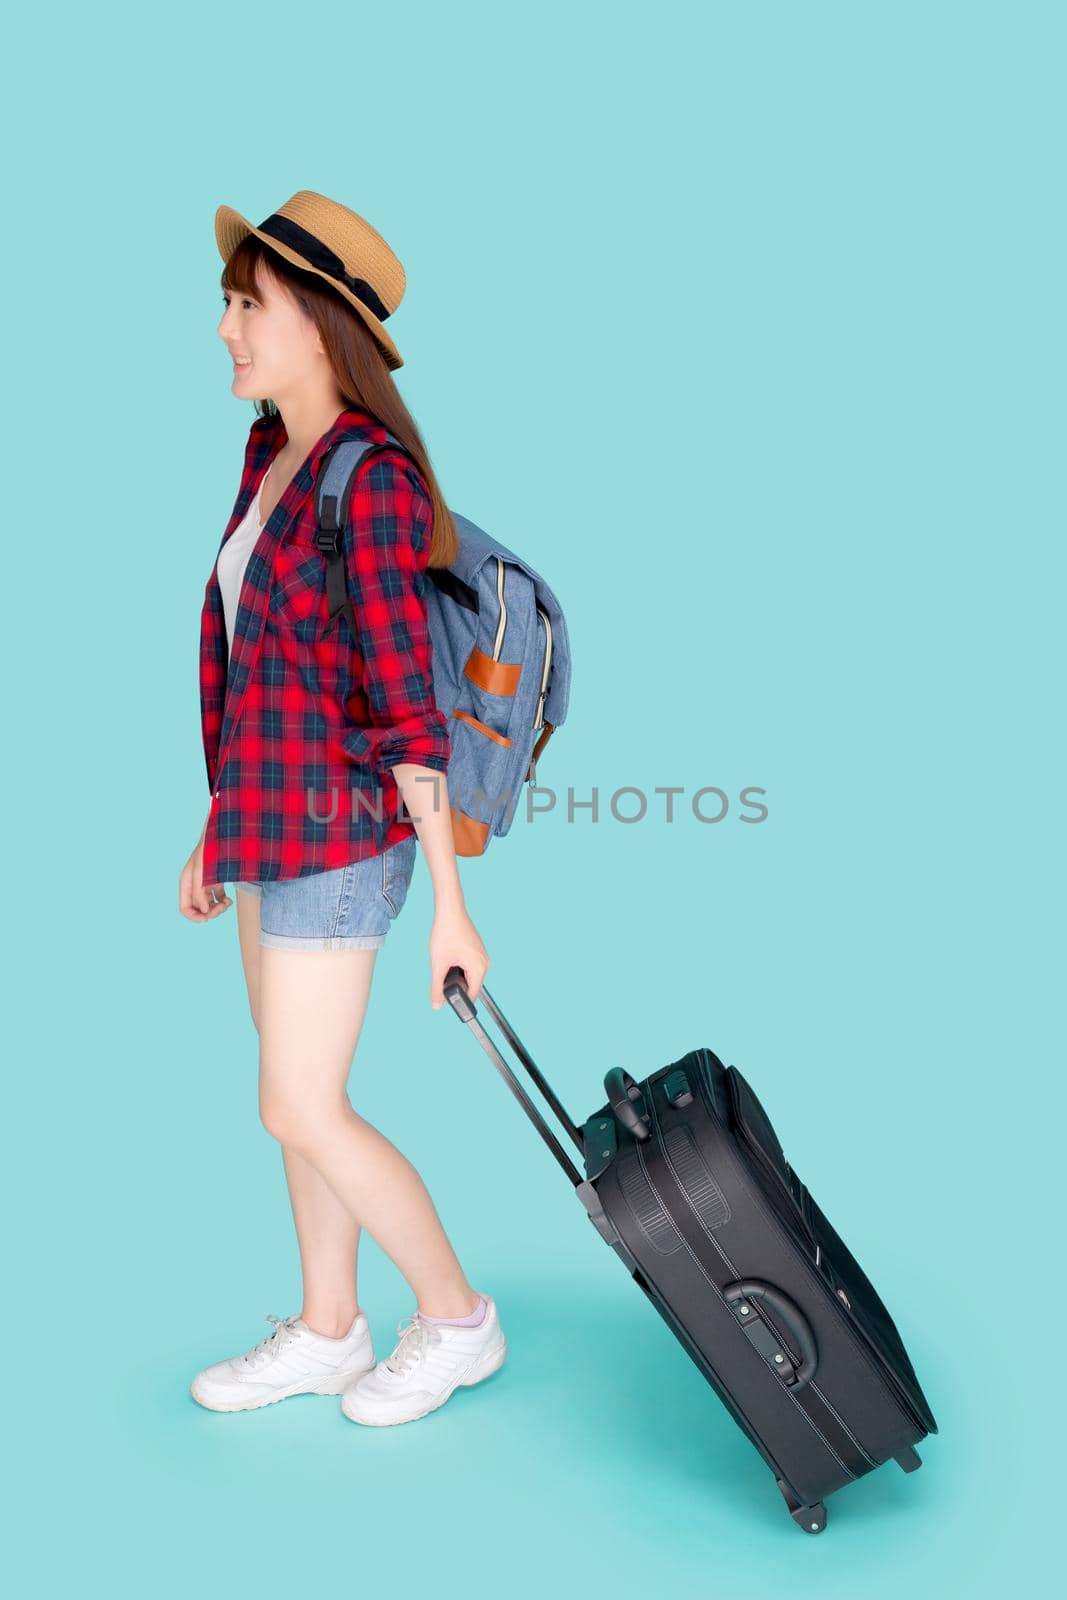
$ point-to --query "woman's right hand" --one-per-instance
(197, 900)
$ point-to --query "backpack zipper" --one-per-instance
(546, 664)
(502, 624)
(498, 642)
(540, 718)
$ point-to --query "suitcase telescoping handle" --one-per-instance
(455, 987)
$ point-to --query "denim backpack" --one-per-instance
(501, 656)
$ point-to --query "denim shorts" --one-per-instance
(347, 908)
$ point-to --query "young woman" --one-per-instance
(326, 759)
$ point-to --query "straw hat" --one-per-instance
(327, 238)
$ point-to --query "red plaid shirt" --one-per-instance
(302, 732)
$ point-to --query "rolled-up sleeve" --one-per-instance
(387, 549)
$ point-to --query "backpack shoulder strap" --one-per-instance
(333, 496)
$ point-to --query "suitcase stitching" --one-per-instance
(680, 1139)
(842, 1423)
(850, 1338)
(625, 1171)
(813, 1385)
(726, 1259)
(700, 1267)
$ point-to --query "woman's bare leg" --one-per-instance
(326, 1231)
(311, 1010)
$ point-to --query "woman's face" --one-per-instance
(274, 344)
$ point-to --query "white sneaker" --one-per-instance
(430, 1361)
(294, 1359)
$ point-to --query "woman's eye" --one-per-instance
(245, 301)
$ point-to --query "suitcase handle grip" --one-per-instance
(623, 1091)
(789, 1314)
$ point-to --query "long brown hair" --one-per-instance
(359, 367)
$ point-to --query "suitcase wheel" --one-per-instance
(811, 1518)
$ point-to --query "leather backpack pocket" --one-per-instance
(478, 770)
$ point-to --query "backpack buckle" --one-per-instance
(327, 541)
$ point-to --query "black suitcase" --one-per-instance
(686, 1180)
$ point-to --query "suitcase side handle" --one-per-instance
(789, 1314)
(624, 1093)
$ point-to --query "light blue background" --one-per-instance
(746, 325)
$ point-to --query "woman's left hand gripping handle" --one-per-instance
(454, 942)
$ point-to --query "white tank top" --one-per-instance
(233, 559)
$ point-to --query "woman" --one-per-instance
(326, 759)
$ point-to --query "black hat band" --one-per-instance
(320, 255)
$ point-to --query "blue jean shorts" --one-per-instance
(347, 908)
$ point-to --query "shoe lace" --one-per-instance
(415, 1337)
(282, 1334)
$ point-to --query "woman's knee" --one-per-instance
(297, 1121)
